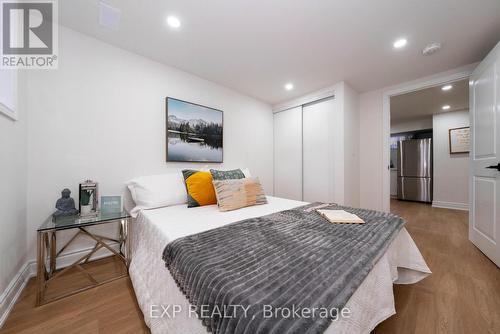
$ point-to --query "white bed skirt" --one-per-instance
(372, 302)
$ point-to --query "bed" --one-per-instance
(371, 303)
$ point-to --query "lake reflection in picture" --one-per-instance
(194, 132)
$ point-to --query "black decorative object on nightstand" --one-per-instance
(65, 205)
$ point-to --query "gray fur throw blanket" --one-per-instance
(241, 277)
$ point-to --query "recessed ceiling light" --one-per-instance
(173, 22)
(445, 107)
(289, 86)
(447, 87)
(400, 43)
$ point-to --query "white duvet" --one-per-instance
(372, 302)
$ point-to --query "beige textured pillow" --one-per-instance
(239, 193)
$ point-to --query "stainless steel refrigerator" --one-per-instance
(415, 170)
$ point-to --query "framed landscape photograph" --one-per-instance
(194, 132)
(459, 140)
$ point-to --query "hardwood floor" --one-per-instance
(463, 293)
(109, 308)
(461, 296)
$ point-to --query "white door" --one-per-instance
(320, 128)
(288, 154)
(484, 221)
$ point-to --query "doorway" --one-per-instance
(425, 165)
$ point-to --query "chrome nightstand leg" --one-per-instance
(124, 240)
(53, 255)
(40, 274)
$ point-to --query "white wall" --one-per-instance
(413, 124)
(351, 145)
(13, 169)
(370, 150)
(101, 115)
(451, 171)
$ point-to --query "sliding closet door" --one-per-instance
(288, 154)
(318, 151)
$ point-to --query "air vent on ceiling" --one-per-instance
(109, 17)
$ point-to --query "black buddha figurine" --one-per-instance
(65, 205)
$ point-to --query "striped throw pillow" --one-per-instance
(239, 193)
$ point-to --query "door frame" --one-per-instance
(412, 86)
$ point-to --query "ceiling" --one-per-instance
(429, 101)
(256, 46)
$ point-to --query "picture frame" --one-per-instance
(194, 132)
(459, 140)
(88, 198)
(111, 204)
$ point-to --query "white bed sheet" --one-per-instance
(372, 302)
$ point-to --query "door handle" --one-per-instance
(497, 167)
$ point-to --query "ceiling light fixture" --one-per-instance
(173, 22)
(289, 86)
(400, 43)
(445, 107)
(447, 87)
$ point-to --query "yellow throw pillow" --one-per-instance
(199, 188)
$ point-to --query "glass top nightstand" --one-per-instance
(68, 222)
(48, 252)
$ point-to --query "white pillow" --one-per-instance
(156, 191)
(246, 171)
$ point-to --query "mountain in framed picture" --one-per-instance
(194, 132)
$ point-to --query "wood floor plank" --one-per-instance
(461, 296)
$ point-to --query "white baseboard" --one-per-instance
(9, 297)
(450, 205)
(13, 291)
